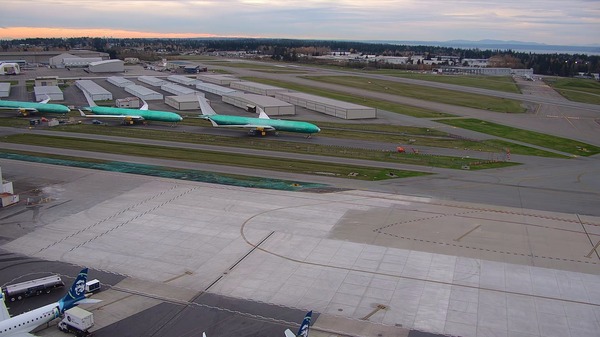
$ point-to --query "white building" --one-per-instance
(8, 68)
(177, 89)
(52, 91)
(4, 89)
(328, 106)
(143, 92)
(93, 91)
(218, 79)
(78, 62)
(107, 66)
(184, 102)
(214, 88)
(257, 88)
(272, 106)
(120, 82)
(151, 80)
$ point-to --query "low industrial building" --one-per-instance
(128, 102)
(7, 196)
(177, 89)
(332, 107)
(153, 81)
(476, 71)
(214, 89)
(183, 80)
(119, 81)
(272, 106)
(107, 66)
(93, 91)
(257, 88)
(143, 92)
(4, 89)
(43, 81)
(185, 102)
(52, 91)
(219, 79)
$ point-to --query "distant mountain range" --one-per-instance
(520, 46)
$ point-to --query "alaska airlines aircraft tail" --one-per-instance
(205, 108)
(303, 331)
(76, 293)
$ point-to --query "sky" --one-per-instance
(564, 22)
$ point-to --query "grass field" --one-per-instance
(401, 135)
(498, 83)
(425, 93)
(282, 146)
(219, 158)
(530, 137)
(576, 89)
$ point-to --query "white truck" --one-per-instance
(77, 321)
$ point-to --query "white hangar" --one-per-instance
(151, 80)
(107, 66)
(120, 82)
(328, 106)
(272, 106)
(52, 91)
(177, 89)
(4, 89)
(93, 91)
(143, 92)
(257, 88)
(184, 102)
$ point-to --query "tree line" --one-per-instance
(292, 50)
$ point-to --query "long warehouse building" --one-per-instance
(257, 88)
(144, 93)
(332, 107)
(93, 90)
(272, 106)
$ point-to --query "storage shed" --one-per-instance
(272, 106)
(120, 82)
(328, 106)
(52, 91)
(177, 89)
(143, 92)
(153, 81)
(107, 66)
(182, 80)
(214, 89)
(257, 88)
(4, 89)
(218, 79)
(185, 102)
(93, 91)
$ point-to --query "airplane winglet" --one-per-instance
(205, 108)
(46, 100)
(145, 106)
(262, 114)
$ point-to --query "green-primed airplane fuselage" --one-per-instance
(278, 124)
(152, 115)
(33, 106)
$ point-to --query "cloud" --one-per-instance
(549, 21)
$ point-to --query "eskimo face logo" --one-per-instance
(79, 287)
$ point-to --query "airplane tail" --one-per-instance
(76, 293)
(304, 327)
(205, 108)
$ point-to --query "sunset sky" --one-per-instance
(565, 22)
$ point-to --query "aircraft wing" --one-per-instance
(249, 126)
(19, 109)
(3, 311)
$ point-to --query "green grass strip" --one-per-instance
(530, 137)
